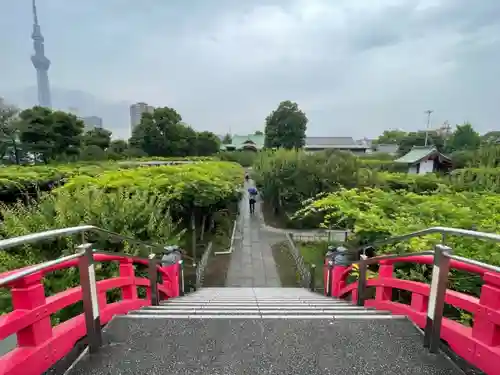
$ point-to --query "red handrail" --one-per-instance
(39, 344)
(479, 344)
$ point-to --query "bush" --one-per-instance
(244, 158)
(288, 177)
(375, 214)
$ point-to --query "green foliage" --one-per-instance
(207, 143)
(375, 214)
(244, 158)
(287, 177)
(97, 137)
(464, 138)
(476, 179)
(50, 134)
(391, 137)
(162, 133)
(203, 185)
(418, 139)
(286, 127)
(9, 133)
(92, 153)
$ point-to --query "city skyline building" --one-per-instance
(136, 111)
(92, 122)
(40, 62)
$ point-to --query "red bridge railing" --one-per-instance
(41, 345)
(478, 344)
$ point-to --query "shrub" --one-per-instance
(244, 158)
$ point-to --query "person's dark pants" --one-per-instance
(252, 205)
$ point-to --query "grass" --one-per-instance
(313, 252)
(285, 265)
(218, 265)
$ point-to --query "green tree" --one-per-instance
(98, 137)
(207, 143)
(50, 134)
(258, 132)
(464, 138)
(393, 137)
(162, 133)
(227, 140)
(118, 146)
(92, 153)
(9, 132)
(492, 137)
(286, 127)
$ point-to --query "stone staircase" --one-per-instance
(279, 331)
(258, 303)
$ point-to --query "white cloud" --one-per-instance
(357, 67)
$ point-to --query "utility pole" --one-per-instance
(429, 111)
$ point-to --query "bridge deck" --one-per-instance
(267, 346)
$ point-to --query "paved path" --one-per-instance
(252, 263)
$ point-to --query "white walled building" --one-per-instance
(422, 160)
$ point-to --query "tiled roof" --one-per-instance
(329, 141)
(417, 153)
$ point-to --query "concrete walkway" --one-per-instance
(252, 263)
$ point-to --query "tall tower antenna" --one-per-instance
(429, 111)
(40, 62)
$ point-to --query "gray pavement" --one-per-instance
(262, 346)
(252, 263)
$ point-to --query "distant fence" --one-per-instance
(321, 236)
(200, 269)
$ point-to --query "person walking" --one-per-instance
(252, 192)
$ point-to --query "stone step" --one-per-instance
(259, 312)
(137, 315)
(262, 303)
(251, 306)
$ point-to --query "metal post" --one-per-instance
(153, 279)
(440, 270)
(89, 297)
(181, 278)
(329, 278)
(361, 283)
(312, 277)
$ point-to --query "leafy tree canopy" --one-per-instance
(393, 137)
(50, 134)
(97, 137)
(207, 143)
(286, 127)
(464, 138)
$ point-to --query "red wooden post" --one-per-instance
(419, 302)
(485, 329)
(384, 293)
(127, 270)
(27, 294)
(337, 282)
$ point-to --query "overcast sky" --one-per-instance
(356, 67)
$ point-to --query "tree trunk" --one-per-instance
(16, 152)
(203, 223)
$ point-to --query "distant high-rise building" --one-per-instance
(136, 111)
(40, 62)
(92, 122)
